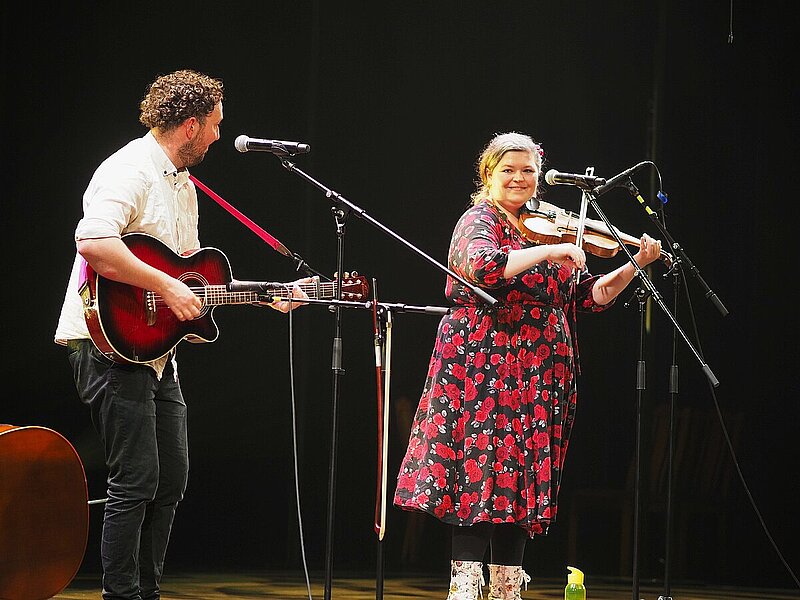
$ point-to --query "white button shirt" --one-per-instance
(135, 190)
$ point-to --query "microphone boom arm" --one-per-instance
(645, 281)
(680, 253)
(341, 200)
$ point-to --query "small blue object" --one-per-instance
(663, 197)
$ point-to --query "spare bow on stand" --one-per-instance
(382, 323)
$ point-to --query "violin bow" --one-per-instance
(382, 322)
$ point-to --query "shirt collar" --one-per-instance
(164, 165)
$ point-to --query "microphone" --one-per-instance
(244, 143)
(252, 286)
(585, 182)
(617, 180)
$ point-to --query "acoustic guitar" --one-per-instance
(133, 325)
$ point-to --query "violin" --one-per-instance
(545, 223)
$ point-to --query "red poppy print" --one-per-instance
(490, 434)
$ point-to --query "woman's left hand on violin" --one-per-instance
(649, 250)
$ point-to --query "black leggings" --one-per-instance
(506, 540)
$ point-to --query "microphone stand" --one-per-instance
(382, 312)
(673, 399)
(648, 289)
(680, 259)
(383, 321)
(382, 306)
(340, 214)
(341, 210)
(641, 385)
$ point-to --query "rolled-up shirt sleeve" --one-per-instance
(112, 201)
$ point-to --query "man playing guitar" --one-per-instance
(137, 408)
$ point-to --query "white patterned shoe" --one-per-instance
(466, 580)
(505, 582)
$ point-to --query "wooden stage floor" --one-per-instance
(231, 586)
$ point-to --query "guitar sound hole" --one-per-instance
(198, 285)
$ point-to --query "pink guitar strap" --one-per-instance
(244, 219)
(83, 275)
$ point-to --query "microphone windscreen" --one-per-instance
(241, 143)
(550, 176)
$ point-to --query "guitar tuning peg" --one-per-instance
(346, 275)
(354, 274)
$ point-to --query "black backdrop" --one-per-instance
(397, 100)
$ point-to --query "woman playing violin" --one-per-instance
(489, 438)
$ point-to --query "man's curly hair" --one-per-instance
(173, 98)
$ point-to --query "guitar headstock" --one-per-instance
(354, 287)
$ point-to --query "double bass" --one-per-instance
(44, 513)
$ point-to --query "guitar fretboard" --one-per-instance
(217, 295)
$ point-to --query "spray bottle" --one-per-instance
(574, 589)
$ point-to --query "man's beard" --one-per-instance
(190, 154)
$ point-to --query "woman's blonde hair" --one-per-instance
(493, 153)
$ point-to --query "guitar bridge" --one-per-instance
(150, 308)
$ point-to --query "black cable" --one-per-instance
(730, 444)
(294, 447)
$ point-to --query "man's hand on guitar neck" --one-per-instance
(285, 306)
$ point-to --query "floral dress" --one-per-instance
(491, 431)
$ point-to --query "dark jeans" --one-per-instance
(141, 421)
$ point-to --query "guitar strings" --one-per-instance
(219, 294)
